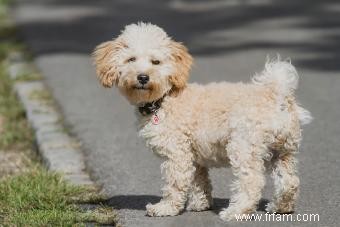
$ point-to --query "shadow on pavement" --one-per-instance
(202, 25)
(138, 202)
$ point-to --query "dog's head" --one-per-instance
(144, 63)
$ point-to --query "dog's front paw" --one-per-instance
(163, 208)
(227, 215)
(199, 205)
(285, 208)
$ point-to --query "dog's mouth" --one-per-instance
(140, 87)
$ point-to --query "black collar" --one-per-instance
(151, 107)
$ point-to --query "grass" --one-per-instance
(42, 198)
(15, 126)
(34, 196)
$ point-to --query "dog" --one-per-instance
(250, 127)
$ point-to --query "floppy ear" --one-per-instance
(182, 62)
(105, 61)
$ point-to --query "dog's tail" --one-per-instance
(283, 76)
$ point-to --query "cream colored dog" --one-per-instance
(196, 127)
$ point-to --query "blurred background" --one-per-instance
(230, 40)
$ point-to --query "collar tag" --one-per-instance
(155, 119)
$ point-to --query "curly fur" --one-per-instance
(242, 125)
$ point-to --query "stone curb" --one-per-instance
(59, 151)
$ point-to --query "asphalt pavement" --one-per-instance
(229, 41)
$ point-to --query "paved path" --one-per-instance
(230, 41)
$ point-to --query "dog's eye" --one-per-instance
(155, 62)
(132, 59)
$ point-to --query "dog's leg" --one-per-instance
(199, 198)
(178, 173)
(246, 158)
(286, 184)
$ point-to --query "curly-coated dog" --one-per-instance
(196, 127)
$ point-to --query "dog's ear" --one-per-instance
(105, 60)
(182, 62)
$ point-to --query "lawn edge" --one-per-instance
(58, 150)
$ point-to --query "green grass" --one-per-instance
(15, 126)
(42, 198)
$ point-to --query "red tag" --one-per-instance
(155, 119)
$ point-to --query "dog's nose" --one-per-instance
(143, 79)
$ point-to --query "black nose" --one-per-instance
(143, 78)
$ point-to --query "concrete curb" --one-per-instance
(59, 151)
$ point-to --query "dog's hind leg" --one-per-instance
(246, 154)
(286, 184)
(284, 172)
(199, 197)
(178, 173)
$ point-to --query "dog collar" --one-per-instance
(151, 107)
